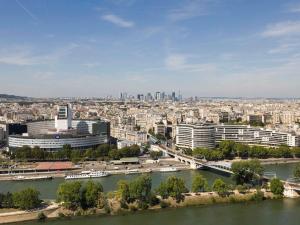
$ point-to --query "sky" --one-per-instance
(98, 48)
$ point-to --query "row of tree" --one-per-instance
(231, 149)
(76, 194)
(139, 191)
(103, 152)
(26, 199)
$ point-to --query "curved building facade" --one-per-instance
(196, 136)
(43, 134)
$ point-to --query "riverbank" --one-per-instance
(21, 216)
(55, 211)
(61, 174)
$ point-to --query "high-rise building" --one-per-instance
(63, 119)
(173, 96)
(157, 96)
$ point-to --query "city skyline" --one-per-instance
(101, 48)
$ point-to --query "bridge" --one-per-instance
(291, 186)
(195, 163)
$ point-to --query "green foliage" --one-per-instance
(26, 199)
(258, 196)
(156, 154)
(91, 192)
(69, 193)
(154, 200)
(123, 190)
(199, 183)
(143, 205)
(41, 216)
(296, 152)
(173, 187)
(140, 188)
(242, 189)
(227, 148)
(208, 154)
(276, 187)
(101, 201)
(6, 200)
(164, 204)
(66, 153)
(297, 171)
(220, 187)
(247, 171)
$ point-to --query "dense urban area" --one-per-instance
(44, 139)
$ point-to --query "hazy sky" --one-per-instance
(95, 48)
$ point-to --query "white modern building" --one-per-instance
(195, 135)
(52, 135)
(255, 135)
(208, 135)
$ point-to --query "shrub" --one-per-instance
(154, 200)
(41, 216)
(133, 208)
(123, 204)
(164, 204)
(276, 187)
(142, 205)
(258, 196)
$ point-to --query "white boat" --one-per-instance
(85, 175)
(168, 169)
(132, 171)
(31, 178)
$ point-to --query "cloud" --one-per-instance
(179, 62)
(118, 21)
(287, 28)
(91, 64)
(285, 48)
(22, 56)
(294, 8)
(188, 10)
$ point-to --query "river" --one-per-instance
(48, 188)
(271, 212)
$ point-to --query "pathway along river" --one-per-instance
(48, 188)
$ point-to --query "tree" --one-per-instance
(123, 190)
(26, 199)
(174, 187)
(247, 171)
(297, 171)
(103, 150)
(220, 187)
(227, 148)
(199, 183)
(91, 193)
(7, 200)
(140, 188)
(276, 187)
(156, 154)
(66, 151)
(241, 150)
(69, 194)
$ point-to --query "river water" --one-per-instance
(275, 212)
(48, 188)
(272, 212)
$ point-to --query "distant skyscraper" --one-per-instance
(173, 96)
(157, 96)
